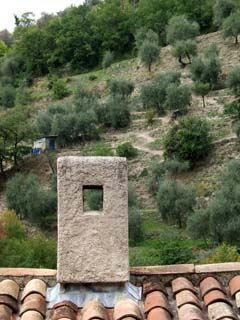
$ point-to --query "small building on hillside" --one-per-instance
(46, 143)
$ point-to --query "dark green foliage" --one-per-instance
(107, 59)
(121, 87)
(143, 35)
(149, 53)
(185, 49)
(175, 202)
(154, 94)
(60, 89)
(132, 195)
(233, 108)
(20, 249)
(135, 226)
(237, 129)
(23, 96)
(158, 171)
(231, 26)
(29, 199)
(201, 89)
(189, 140)
(7, 96)
(198, 224)
(127, 150)
(222, 10)
(94, 199)
(115, 113)
(178, 98)
(103, 150)
(207, 69)
(233, 80)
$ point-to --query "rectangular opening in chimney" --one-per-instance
(92, 199)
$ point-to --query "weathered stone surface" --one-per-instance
(92, 246)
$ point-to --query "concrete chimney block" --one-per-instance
(92, 245)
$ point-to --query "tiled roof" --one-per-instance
(184, 292)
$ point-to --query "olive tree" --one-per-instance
(202, 89)
(223, 9)
(231, 26)
(149, 53)
(233, 80)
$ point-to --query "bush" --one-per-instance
(23, 96)
(185, 49)
(60, 89)
(126, 150)
(94, 199)
(149, 53)
(135, 226)
(107, 59)
(223, 9)
(92, 77)
(189, 140)
(233, 80)
(233, 108)
(231, 26)
(132, 196)
(19, 249)
(122, 88)
(143, 35)
(178, 98)
(149, 116)
(198, 225)
(224, 253)
(180, 29)
(175, 202)
(154, 94)
(103, 150)
(7, 96)
(28, 199)
(202, 89)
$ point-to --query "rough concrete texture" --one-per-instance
(92, 248)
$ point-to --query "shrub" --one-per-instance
(233, 108)
(198, 224)
(92, 77)
(156, 174)
(28, 199)
(149, 116)
(143, 35)
(154, 94)
(185, 49)
(179, 28)
(135, 226)
(224, 253)
(237, 129)
(231, 26)
(132, 196)
(107, 59)
(233, 80)
(7, 96)
(178, 98)
(189, 140)
(122, 88)
(103, 150)
(223, 9)
(175, 202)
(202, 89)
(60, 89)
(94, 199)
(149, 53)
(126, 150)
(23, 96)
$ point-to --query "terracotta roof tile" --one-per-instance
(158, 314)
(5, 312)
(234, 285)
(94, 310)
(181, 284)
(62, 311)
(31, 315)
(151, 286)
(10, 302)
(215, 296)
(34, 302)
(10, 288)
(127, 308)
(209, 284)
(190, 312)
(34, 286)
(156, 299)
(187, 297)
(219, 310)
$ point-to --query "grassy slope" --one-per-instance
(148, 139)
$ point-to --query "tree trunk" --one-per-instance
(203, 99)
(183, 64)
(149, 67)
(189, 58)
(236, 39)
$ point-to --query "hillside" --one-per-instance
(148, 139)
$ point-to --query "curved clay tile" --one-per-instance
(209, 284)
(66, 303)
(127, 308)
(10, 302)
(181, 284)
(151, 286)
(190, 312)
(215, 296)
(187, 297)
(32, 315)
(34, 302)
(10, 288)
(158, 314)
(5, 312)
(234, 285)
(156, 299)
(220, 310)
(34, 286)
(94, 310)
(63, 311)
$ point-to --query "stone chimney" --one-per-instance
(92, 245)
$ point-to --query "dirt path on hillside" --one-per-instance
(143, 139)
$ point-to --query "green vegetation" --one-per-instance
(126, 150)
(202, 89)
(233, 80)
(107, 59)
(190, 140)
